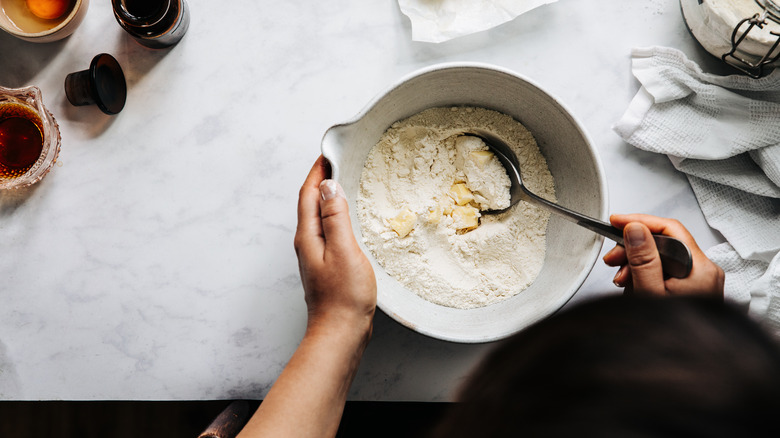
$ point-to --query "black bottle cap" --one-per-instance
(103, 84)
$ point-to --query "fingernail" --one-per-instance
(616, 280)
(330, 189)
(635, 235)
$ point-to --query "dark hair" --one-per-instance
(627, 367)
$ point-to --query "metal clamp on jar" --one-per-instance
(745, 34)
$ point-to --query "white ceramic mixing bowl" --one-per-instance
(579, 182)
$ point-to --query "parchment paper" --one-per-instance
(435, 21)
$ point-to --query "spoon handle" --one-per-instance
(676, 258)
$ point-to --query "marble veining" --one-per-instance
(155, 261)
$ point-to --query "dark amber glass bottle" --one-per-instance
(154, 23)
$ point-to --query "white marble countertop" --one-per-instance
(156, 262)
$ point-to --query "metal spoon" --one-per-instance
(676, 259)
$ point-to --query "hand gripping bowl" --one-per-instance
(573, 162)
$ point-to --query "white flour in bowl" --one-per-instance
(421, 191)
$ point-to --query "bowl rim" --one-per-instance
(599, 170)
(44, 33)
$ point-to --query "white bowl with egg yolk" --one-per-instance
(579, 183)
(57, 30)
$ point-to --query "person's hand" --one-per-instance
(640, 265)
(307, 400)
(337, 277)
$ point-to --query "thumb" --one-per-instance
(334, 212)
(643, 260)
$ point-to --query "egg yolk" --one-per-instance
(48, 9)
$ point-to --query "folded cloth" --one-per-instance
(723, 132)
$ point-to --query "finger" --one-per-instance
(622, 277)
(616, 256)
(643, 259)
(654, 223)
(657, 225)
(336, 225)
(309, 231)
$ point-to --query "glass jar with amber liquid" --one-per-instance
(29, 137)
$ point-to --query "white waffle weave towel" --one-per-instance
(723, 132)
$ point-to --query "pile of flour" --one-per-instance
(410, 208)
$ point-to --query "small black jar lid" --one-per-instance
(103, 84)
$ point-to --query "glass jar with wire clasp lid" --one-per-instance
(745, 34)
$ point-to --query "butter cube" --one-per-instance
(465, 218)
(461, 194)
(481, 158)
(404, 222)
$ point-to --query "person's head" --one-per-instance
(626, 367)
